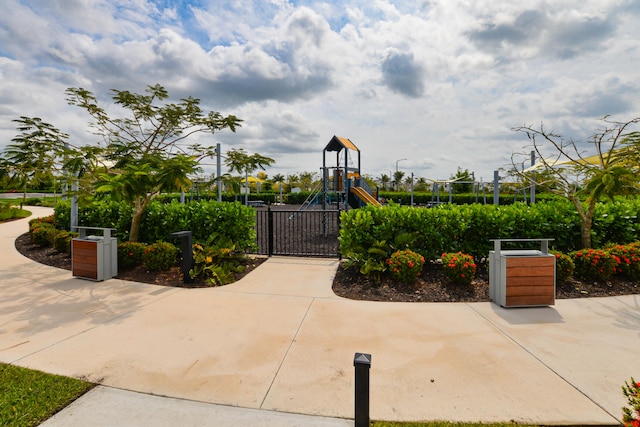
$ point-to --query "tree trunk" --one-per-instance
(586, 221)
(138, 209)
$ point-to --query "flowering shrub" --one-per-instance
(564, 267)
(459, 268)
(130, 254)
(631, 414)
(405, 265)
(595, 264)
(629, 256)
(159, 256)
(43, 234)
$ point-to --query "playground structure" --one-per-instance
(346, 182)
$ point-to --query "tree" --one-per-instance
(397, 179)
(586, 180)
(240, 161)
(33, 155)
(308, 180)
(466, 185)
(144, 153)
(384, 180)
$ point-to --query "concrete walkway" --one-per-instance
(280, 343)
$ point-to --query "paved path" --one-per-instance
(279, 342)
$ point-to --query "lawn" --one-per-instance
(28, 397)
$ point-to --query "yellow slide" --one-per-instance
(363, 195)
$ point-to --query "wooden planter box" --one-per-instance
(522, 278)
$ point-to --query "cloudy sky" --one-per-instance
(440, 83)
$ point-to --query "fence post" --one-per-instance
(362, 363)
(270, 231)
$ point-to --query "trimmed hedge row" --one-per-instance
(469, 228)
(205, 218)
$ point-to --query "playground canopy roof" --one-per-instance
(591, 160)
(337, 143)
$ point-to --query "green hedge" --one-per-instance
(203, 219)
(422, 199)
(469, 228)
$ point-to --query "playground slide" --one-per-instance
(363, 195)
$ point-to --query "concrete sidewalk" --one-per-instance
(279, 342)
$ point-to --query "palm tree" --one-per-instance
(384, 180)
(397, 179)
(240, 161)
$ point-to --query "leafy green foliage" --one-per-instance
(62, 241)
(233, 221)
(631, 412)
(459, 268)
(130, 254)
(564, 266)
(628, 257)
(144, 152)
(405, 266)
(159, 256)
(42, 234)
(31, 158)
(217, 260)
(595, 264)
(470, 228)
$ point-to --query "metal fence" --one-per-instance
(297, 232)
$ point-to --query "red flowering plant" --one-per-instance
(595, 264)
(564, 266)
(629, 259)
(631, 413)
(459, 268)
(405, 266)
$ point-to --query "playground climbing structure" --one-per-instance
(344, 178)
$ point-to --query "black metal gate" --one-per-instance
(297, 232)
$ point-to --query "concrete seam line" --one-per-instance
(286, 353)
(556, 373)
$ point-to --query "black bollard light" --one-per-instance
(186, 247)
(362, 363)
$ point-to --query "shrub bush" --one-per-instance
(159, 256)
(405, 266)
(43, 234)
(130, 254)
(595, 264)
(62, 241)
(202, 218)
(629, 259)
(564, 267)
(459, 268)
(216, 260)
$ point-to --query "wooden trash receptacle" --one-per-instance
(84, 258)
(94, 257)
(522, 278)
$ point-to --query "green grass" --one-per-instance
(8, 213)
(28, 397)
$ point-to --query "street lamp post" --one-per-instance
(396, 177)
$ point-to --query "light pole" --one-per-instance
(396, 177)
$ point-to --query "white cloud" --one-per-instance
(439, 82)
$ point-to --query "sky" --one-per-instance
(425, 86)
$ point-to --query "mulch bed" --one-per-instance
(432, 286)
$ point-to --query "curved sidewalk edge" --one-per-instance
(108, 407)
